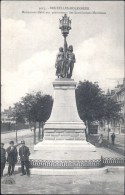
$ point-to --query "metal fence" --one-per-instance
(76, 164)
(114, 161)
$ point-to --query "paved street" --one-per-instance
(102, 184)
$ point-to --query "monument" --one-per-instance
(64, 132)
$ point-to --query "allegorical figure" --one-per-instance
(11, 158)
(59, 63)
(70, 61)
(65, 63)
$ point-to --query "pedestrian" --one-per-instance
(11, 157)
(100, 140)
(3, 158)
(86, 135)
(113, 138)
(24, 154)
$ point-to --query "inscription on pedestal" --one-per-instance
(64, 134)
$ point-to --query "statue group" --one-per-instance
(65, 62)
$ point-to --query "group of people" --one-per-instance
(10, 155)
(100, 139)
(65, 62)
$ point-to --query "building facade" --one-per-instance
(6, 116)
(118, 94)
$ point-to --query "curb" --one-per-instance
(50, 172)
(35, 171)
(115, 169)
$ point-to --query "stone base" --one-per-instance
(67, 131)
(64, 150)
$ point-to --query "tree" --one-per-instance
(42, 109)
(93, 104)
(111, 111)
(89, 100)
(18, 113)
(34, 107)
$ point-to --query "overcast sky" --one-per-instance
(30, 42)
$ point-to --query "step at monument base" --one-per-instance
(67, 145)
(96, 171)
(64, 150)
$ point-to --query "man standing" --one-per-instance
(24, 157)
(3, 158)
(113, 138)
(11, 158)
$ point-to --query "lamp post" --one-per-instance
(65, 26)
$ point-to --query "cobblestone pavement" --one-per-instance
(102, 184)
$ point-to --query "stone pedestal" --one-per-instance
(64, 123)
(64, 132)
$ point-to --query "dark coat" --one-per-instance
(24, 153)
(12, 154)
(113, 137)
(3, 155)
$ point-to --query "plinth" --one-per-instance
(64, 132)
(64, 122)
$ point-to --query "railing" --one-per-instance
(114, 161)
(61, 164)
(76, 164)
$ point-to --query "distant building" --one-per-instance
(6, 116)
(118, 94)
(8, 123)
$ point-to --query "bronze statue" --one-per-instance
(59, 63)
(70, 61)
(65, 63)
(65, 58)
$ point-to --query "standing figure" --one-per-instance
(59, 63)
(113, 138)
(86, 135)
(24, 154)
(3, 158)
(11, 157)
(71, 60)
(100, 140)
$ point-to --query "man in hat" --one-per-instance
(11, 158)
(24, 157)
(3, 158)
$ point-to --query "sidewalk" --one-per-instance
(107, 149)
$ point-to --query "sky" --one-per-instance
(30, 39)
